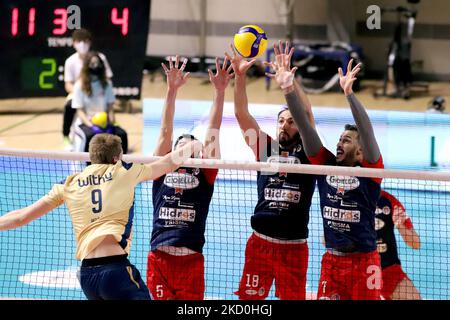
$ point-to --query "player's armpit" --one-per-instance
(322, 157)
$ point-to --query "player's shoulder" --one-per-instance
(72, 59)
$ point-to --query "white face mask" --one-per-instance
(82, 47)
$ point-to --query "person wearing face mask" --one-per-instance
(82, 40)
(93, 95)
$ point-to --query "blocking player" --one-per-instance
(389, 213)
(277, 249)
(100, 201)
(351, 266)
(175, 267)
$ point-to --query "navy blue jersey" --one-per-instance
(348, 207)
(384, 224)
(181, 204)
(284, 199)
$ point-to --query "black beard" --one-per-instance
(290, 142)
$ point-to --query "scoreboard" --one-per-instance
(36, 39)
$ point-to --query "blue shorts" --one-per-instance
(112, 278)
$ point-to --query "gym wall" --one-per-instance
(176, 27)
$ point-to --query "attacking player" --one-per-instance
(277, 249)
(351, 266)
(100, 201)
(175, 268)
(390, 212)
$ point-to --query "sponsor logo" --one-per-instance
(379, 224)
(181, 180)
(343, 183)
(283, 159)
(385, 210)
(251, 292)
(339, 226)
(282, 195)
(177, 214)
(261, 291)
(353, 216)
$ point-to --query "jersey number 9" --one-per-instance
(97, 200)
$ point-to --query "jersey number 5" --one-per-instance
(96, 200)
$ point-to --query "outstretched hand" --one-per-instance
(346, 81)
(284, 75)
(174, 75)
(238, 63)
(223, 75)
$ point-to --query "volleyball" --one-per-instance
(100, 119)
(250, 41)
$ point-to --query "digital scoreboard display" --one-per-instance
(36, 39)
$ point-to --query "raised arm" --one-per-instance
(284, 77)
(405, 227)
(282, 57)
(249, 127)
(23, 216)
(172, 160)
(175, 79)
(220, 82)
(371, 150)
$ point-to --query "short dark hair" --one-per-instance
(284, 108)
(81, 35)
(186, 136)
(351, 127)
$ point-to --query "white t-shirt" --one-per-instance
(74, 64)
(97, 102)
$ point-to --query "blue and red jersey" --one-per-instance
(348, 206)
(181, 203)
(384, 224)
(284, 199)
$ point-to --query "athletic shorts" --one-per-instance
(355, 276)
(266, 261)
(171, 277)
(392, 276)
(112, 278)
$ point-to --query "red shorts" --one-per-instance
(392, 276)
(353, 277)
(265, 262)
(172, 277)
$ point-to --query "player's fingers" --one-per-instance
(341, 74)
(280, 46)
(170, 62)
(286, 48)
(177, 61)
(165, 68)
(294, 70)
(275, 50)
(186, 75)
(225, 61)
(230, 68)
(210, 74)
(217, 66)
(184, 64)
(227, 56)
(251, 62)
(233, 50)
(349, 66)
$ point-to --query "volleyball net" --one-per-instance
(37, 261)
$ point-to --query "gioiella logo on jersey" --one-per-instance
(181, 180)
(343, 183)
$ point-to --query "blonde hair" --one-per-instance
(104, 147)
